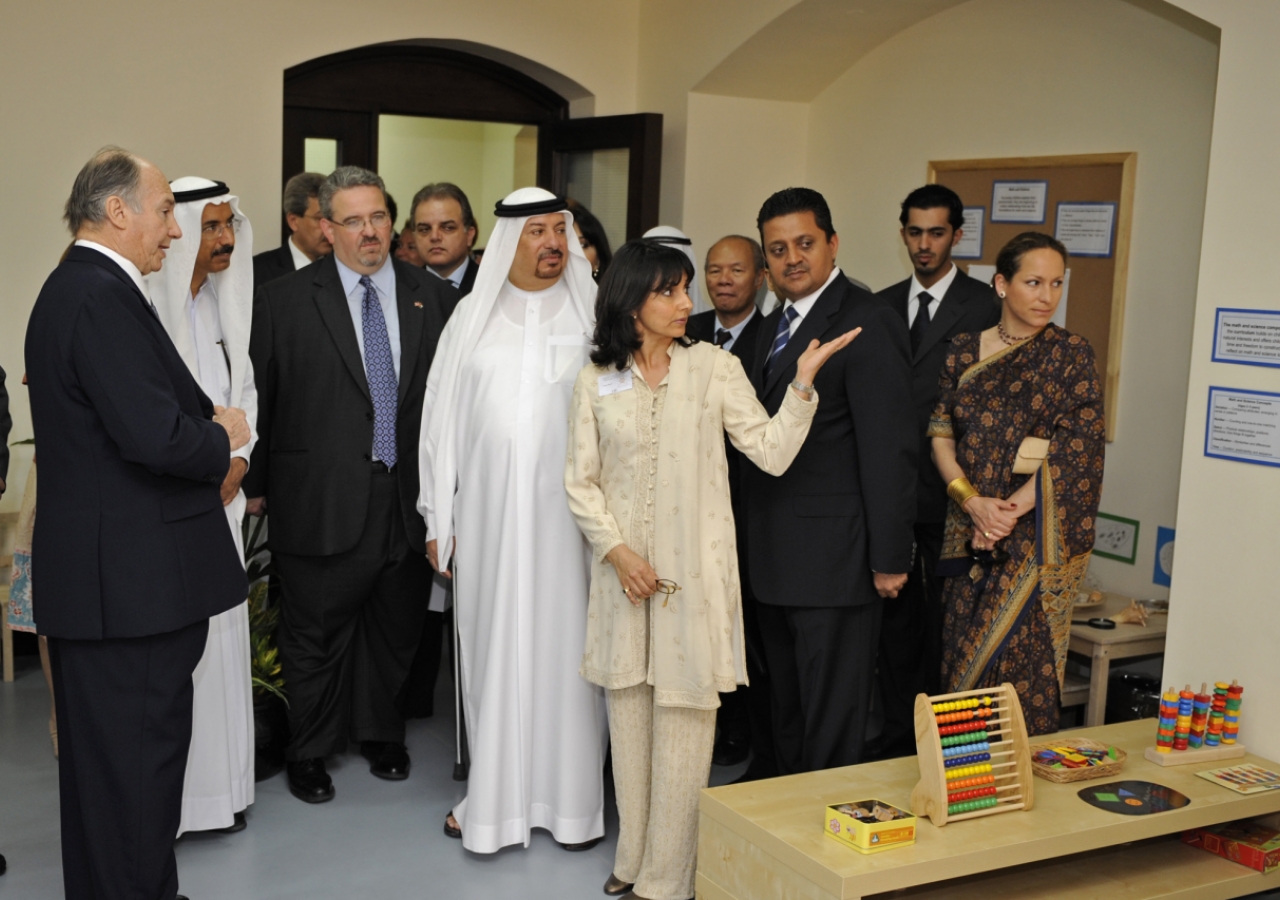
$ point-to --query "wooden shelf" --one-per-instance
(1160, 868)
(765, 839)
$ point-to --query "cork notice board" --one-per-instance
(1096, 289)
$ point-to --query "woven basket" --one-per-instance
(1067, 776)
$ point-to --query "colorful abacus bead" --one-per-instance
(971, 805)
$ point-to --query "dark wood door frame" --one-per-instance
(641, 133)
(342, 95)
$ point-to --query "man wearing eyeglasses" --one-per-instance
(341, 352)
(306, 243)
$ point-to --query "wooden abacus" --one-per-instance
(973, 754)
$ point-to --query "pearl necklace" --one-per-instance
(1009, 339)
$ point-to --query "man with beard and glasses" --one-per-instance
(204, 298)
(937, 302)
(341, 352)
(493, 451)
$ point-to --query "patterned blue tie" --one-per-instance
(380, 370)
(781, 338)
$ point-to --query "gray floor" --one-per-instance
(375, 839)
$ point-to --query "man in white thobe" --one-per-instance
(494, 431)
(204, 297)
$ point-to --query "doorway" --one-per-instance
(419, 113)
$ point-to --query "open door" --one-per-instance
(336, 109)
(610, 164)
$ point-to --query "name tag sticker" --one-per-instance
(614, 382)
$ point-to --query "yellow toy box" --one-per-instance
(869, 826)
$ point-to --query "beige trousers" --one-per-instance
(661, 761)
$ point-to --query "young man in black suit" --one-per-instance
(340, 353)
(937, 302)
(131, 548)
(831, 539)
(734, 271)
(307, 242)
(444, 230)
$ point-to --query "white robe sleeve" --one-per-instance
(249, 403)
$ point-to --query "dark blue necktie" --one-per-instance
(780, 339)
(380, 370)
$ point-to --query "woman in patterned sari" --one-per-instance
(1018, 437)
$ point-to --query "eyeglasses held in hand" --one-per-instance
(668, 587)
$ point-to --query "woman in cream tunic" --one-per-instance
(647, 481)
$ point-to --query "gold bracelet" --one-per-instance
(961, 491)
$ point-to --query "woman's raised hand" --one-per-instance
(817, 354)
(637, 576)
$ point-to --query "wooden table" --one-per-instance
(1103, 647)
(765, 839)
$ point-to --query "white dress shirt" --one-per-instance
(805, 303)
(384, 280)
(735, 331)
(937, 292)
(129, 268)
(454, 277)
(300, 259)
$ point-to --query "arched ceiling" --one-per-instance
(803, 50)
(810, 45)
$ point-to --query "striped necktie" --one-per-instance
(380, 370)
(780, 339)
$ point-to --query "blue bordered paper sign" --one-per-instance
(1086, 229)
(1247, 337)
(1163, 572)
(1019, 201)
(970, 244)
(1243, 426)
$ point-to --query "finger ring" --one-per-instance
(986, 534)
(626, 590)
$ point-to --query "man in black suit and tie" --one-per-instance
(340, 353)
(307, 242)
(831, 538)
(131, 547)
(734, 272)
(937, 302)
(444, 231)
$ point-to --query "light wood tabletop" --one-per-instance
(1103, 647)
(766, 839)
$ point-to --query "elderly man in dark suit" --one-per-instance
(306, 243)
(131, 547)
(937, 302)
(341, 352)
(734, 271)
(830, 540)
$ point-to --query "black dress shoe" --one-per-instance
(308, 780)
(387, 759)
(238, 825)
(450, 831)
(585, 845)
(730, 751)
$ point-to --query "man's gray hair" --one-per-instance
(299, 190)
(111, 172)
(345, 177)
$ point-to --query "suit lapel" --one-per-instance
(902, 301)
(336, 315)
(409, 306)
(949, 312)
(811, 326)
(286, 257)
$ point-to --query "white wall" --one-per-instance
(1224, 620)
(996, 78)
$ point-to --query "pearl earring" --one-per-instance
(1002, 296)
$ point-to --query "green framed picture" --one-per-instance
(1116, 538)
